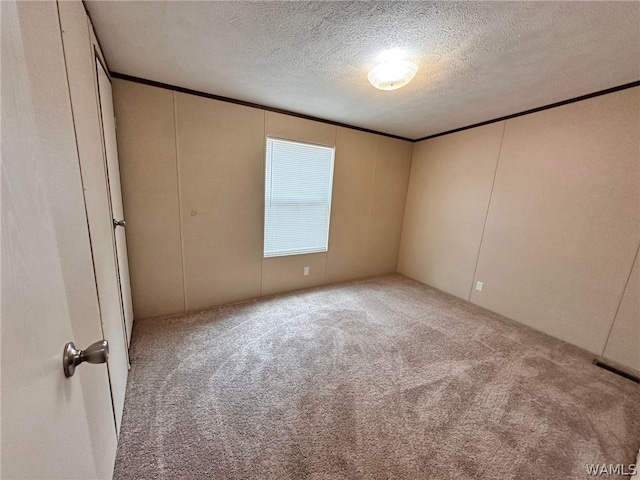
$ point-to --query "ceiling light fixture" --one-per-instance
(394, 72)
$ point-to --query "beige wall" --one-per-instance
(194, 168)
(284, 274)
(563, 223)
(449, 189)
(542, 208)
(149, 176)
(220, 157)
(352, 191)
(623, 345)
(388, 200)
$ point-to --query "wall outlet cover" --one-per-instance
(479, 286)
(306, 270)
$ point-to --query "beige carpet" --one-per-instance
(376, 379)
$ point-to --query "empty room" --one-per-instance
(320, 240)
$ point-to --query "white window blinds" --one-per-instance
(298, 185)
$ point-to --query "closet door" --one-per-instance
(52, 426)
(81, 56)
(113, 178)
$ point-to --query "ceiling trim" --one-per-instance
(166, 86)
(153, 83)
(538, 109)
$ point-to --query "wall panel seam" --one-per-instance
(326, 256)
(180, 223)
(486, 216)
(327, 253)
(404, 206)
(264, 179)
(371, 194)
(624, 290)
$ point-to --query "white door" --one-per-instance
(80, 49)
(115, 190)
(52, 426)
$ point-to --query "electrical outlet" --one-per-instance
(479, 286)
(306, 270)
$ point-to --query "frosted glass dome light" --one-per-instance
(392, 74)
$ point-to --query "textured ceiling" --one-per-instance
(477, 60)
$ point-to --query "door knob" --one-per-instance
(119, 223)
(72, 357)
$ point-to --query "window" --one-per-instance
(297, 202)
